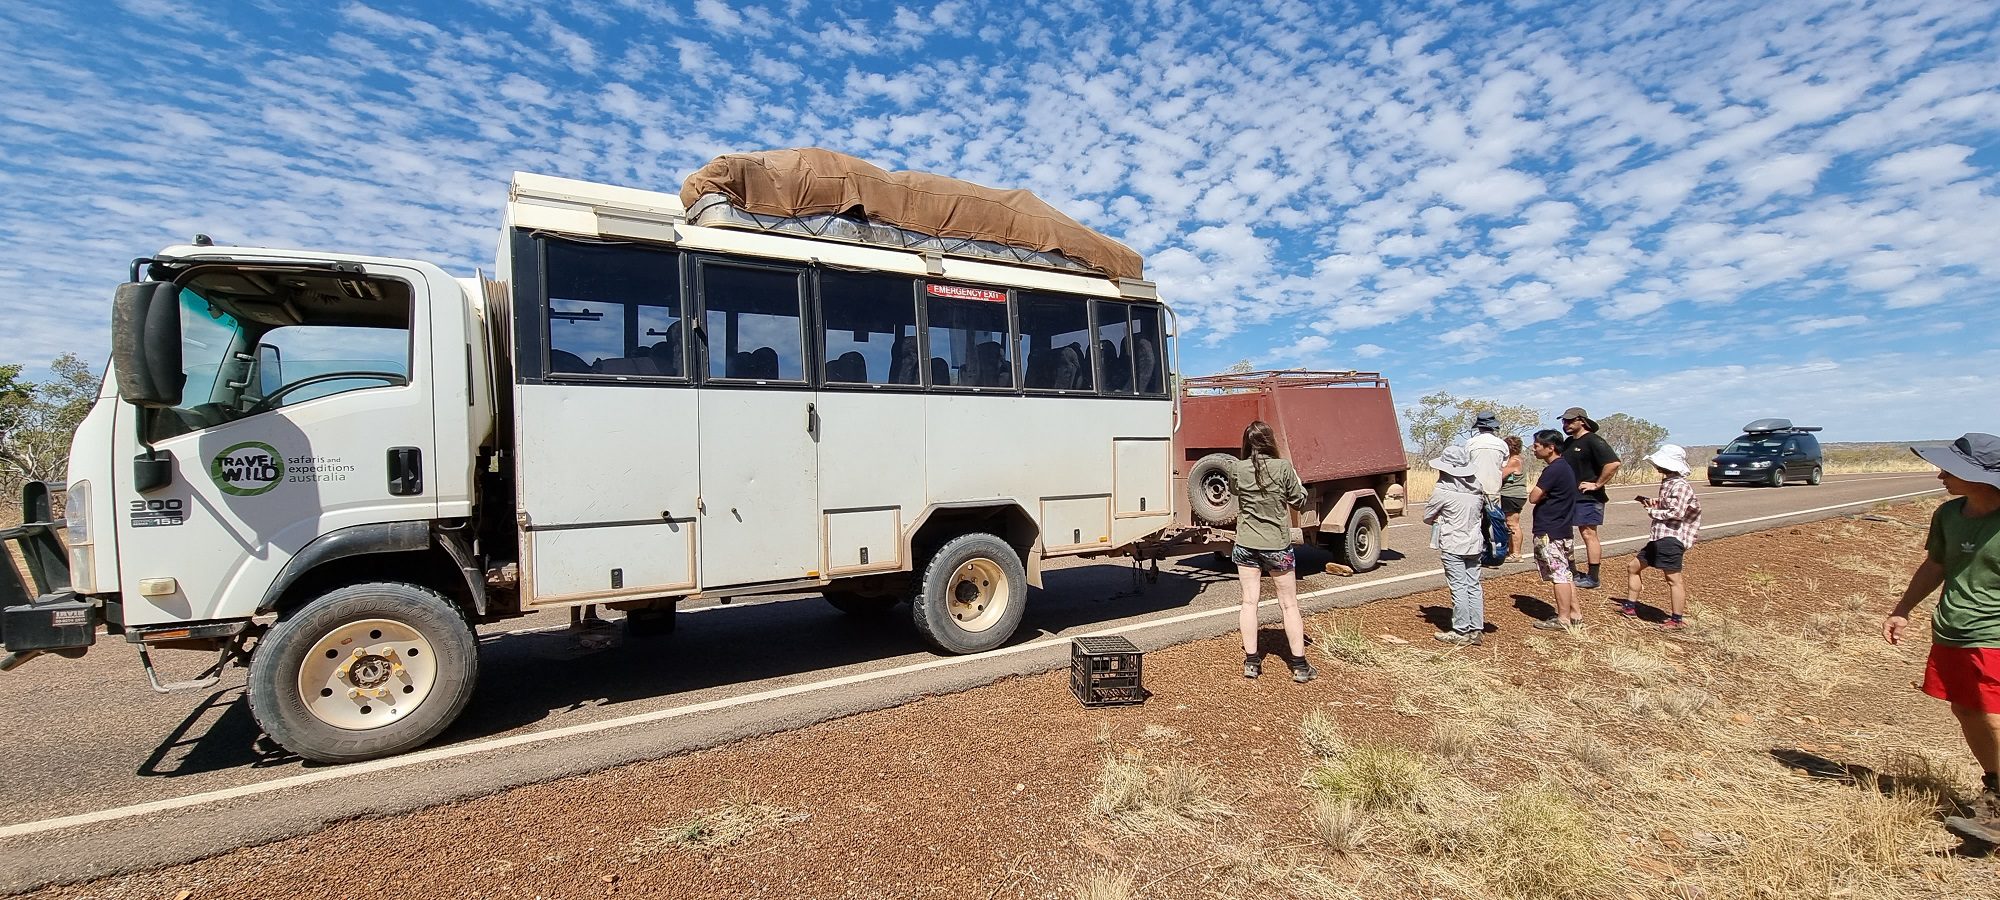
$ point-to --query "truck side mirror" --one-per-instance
(270, 370)
(146, 343)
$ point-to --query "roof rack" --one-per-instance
(1777, 426)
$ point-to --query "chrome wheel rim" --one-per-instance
(367, 674)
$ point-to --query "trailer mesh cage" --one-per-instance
(1106, 671)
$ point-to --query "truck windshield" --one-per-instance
(253, 342)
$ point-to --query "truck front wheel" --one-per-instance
(1360, 548)
(972, 596)
(363, 671)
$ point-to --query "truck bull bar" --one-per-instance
(39, 613)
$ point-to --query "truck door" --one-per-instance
(759, 508)
(605, 406)
(307, 408)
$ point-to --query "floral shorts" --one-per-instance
(1552, 554)
(1271, 562)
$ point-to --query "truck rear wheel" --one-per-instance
(972, 595)
(1209, 497)
(1360, 548)
(364, 671)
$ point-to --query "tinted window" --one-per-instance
(1054, 342)
(870, 329)
(1114, 368)
(614, 309)
(752, 319)
(968, 336)
(1147, 349)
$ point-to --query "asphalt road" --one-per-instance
(103, 776)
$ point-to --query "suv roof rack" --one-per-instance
(1768, 426)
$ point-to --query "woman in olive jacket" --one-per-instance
(1266, 489)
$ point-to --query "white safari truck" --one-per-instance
(331, 467)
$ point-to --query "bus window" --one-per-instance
(614, 309)
(753, 323)
(1147, 350)
(968, 336)
(1114, 368)
(869, 327)
(1054, 342)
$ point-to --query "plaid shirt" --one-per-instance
(1677, 513)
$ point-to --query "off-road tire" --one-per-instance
(1360, 546)
(1208, 505)
(278, 707)
(931, 608)
(861, 606)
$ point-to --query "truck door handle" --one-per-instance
(812, 421)
(406, 471)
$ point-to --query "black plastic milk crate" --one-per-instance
(1106, 671)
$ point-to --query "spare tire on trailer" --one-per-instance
(1209, 499)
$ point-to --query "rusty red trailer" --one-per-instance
(1338, 429)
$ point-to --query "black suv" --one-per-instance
(1770, 451)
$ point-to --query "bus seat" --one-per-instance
(1112, 368)
(1071, 367)
(903, 361)
(565, 361)
(763, 363)
(1146, 367)
(940, 370)
(990, 366)
(853, 367)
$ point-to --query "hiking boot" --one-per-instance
(1252, 666)
(1586, 582)
(1986, 805)
(1552, 623)
(1984, 829)
(1461, 638)
(1303, 671)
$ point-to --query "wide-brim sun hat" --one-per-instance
(1671, 457)
(1453, 461)
(1975, 457)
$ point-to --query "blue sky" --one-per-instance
(1699, 213)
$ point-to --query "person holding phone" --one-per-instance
(1676, 518)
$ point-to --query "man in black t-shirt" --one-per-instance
(1595, 463)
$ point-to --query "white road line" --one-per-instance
(422, 757)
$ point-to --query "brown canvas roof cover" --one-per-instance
(812, 181)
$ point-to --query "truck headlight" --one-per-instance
(76, 531)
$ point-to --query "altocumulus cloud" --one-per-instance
(1680, 197)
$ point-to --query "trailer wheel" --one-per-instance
(860, 605)
(1360, 548)
(1209, 497)
(363, 671)
(972, 595)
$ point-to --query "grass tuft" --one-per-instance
(1105, 886)
(1375, 777)
(735, 821)
(1338, 824)
(1539, 844)
(1344, 643)
(1319, 735)
(1141, 796)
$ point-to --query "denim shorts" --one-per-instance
(1270, 562)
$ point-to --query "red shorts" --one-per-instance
(1965, 676)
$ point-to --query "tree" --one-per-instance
(38, 420)
(1441, 420)
(1632, 438)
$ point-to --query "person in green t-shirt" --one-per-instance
(1962, 556)
(1267, 489)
